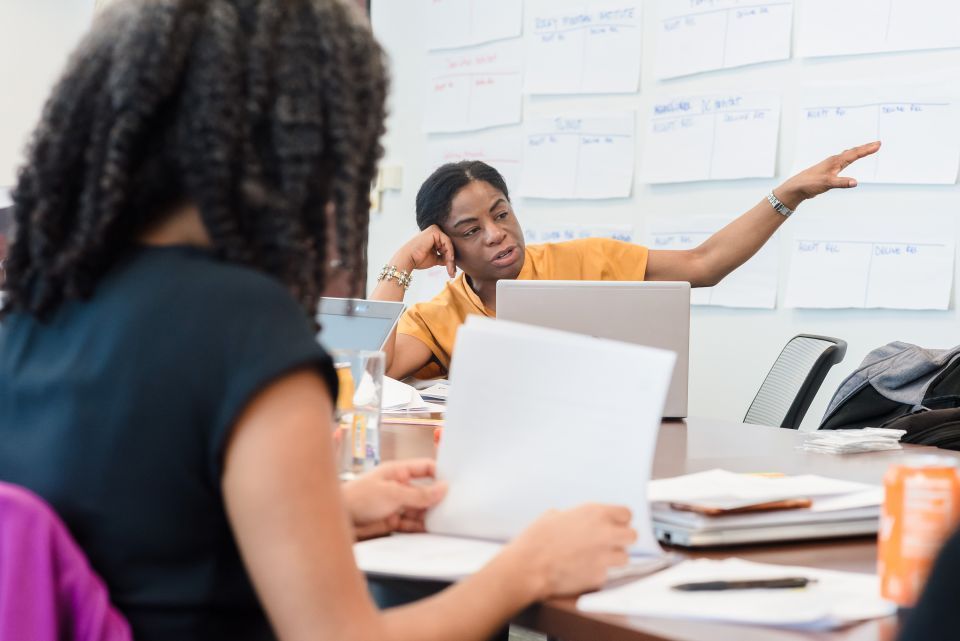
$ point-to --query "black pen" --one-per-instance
(755, 584)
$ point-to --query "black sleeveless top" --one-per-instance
(116, 411)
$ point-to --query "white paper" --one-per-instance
(919, 132)
(424, 556)
(711, 137)
(842, 27)
(753, 284)
(575, 46)
(695, 36)
(458, 23)
(837, 599)
(747, 489)
(546, 413)
(562, 232)
(473, 88)
(447, 558)
(400, 398)
(872, 261)
(579, 156)
(502, 149)
(5, 200)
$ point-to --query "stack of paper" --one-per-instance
(868, 439)
(835, 600)
(723, 508)
(526, 402)
(400, 398)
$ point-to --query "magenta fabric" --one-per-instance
(48, 591)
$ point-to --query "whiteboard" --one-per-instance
(731, 349)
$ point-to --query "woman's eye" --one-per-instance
(502, 215)
(470, 233)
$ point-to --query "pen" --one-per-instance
(766, 584)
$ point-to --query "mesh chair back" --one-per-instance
(794, 379)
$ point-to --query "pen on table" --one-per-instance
(753, 584)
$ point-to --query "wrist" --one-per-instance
(789, 196)
(403, 262)
(521, 576)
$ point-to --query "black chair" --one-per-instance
(794, 379)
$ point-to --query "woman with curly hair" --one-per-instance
(196, 175)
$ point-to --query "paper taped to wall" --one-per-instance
(578, 47)
(711, 137)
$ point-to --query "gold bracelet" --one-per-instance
(402, 277)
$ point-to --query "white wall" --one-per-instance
(36, 37)
(731, 350)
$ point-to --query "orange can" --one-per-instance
(921, 508)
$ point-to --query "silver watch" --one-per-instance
(778, 206)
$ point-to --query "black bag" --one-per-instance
(939, 428)
(867, 407)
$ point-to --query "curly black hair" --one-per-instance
(438, 191)
(264, 114)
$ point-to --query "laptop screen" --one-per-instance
(347, 323)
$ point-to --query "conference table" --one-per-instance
(694, 445)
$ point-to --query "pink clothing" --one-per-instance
(48, 591)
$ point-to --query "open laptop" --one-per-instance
(354, 323)
(656, 314)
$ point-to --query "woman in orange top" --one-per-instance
(467, 221)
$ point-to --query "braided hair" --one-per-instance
(264, 114)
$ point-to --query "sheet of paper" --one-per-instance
(695, 36)
(546, 413)
(424, 556)
(447, 558)
(711, 137)
(753, 284)
(560, 232)
(919, 131)
(872, 261)
(702, 487)
(5, 200)
(459, 23)
(575, 46)
(502, 149)
(835, 28)
(474, 88)
(836, 599)
(579, 156)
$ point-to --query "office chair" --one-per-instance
(794, 379)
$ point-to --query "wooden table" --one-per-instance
(695, 445)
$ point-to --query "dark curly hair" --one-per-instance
(438, 191)
(264, 114)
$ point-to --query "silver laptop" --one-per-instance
(656, 314)
(354, 323)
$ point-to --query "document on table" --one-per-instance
(831, 28)
(729, 490)
(574, 46)
(502, 149)
(558, 233)
(579, 156)
(556, 415)
(703, 36)
(711, 137)
(430, 557)
(872, 261)
(459, 23)
(474, 88)
(399, 398)
(835, 600)
(920, 131)
(753, 284)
